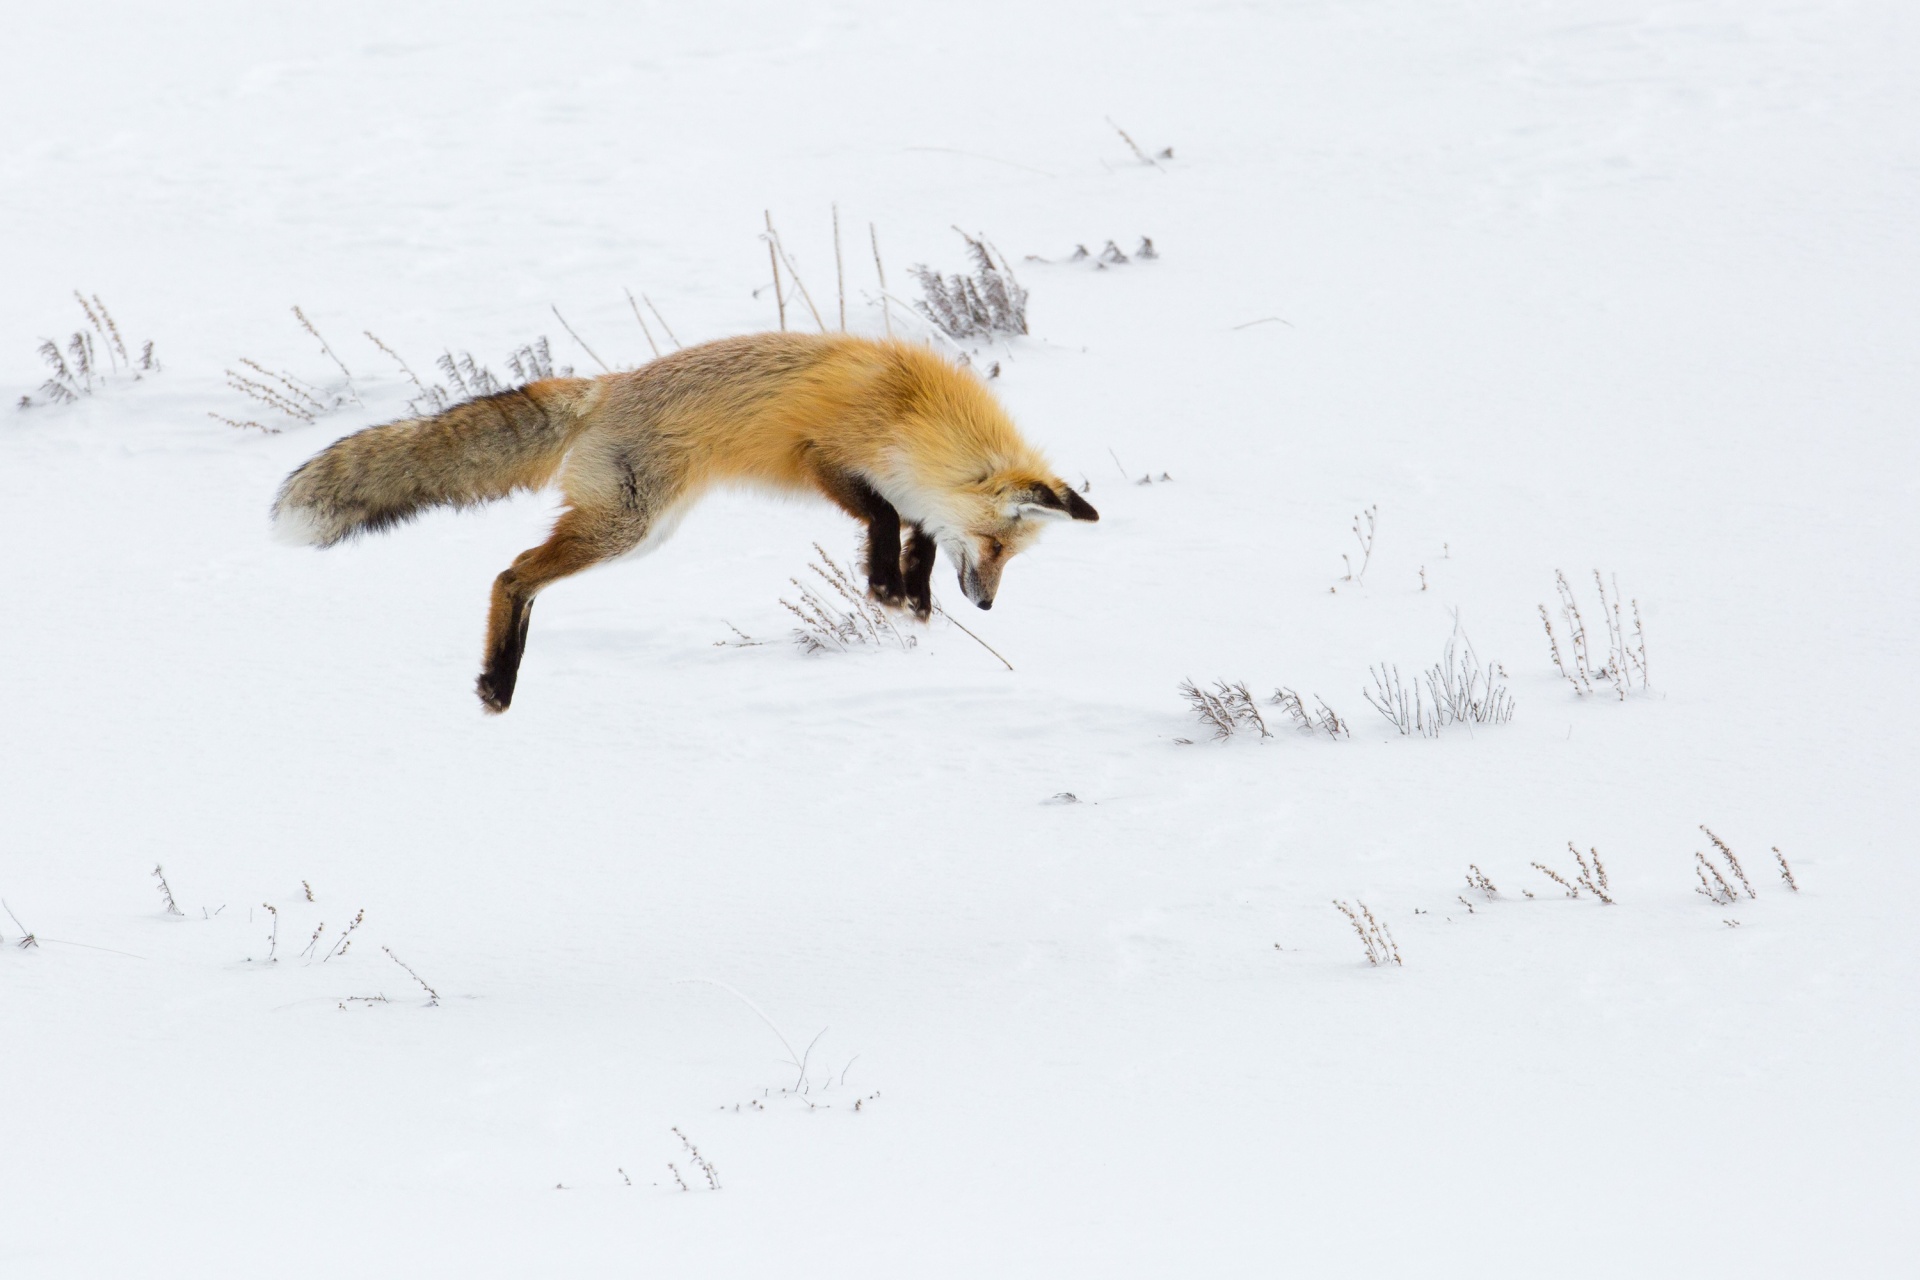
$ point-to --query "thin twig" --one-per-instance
(577, 338)
(793, 1057)
(643, 323)
(797, 281)
(662, 319)
(773, 260)
(1127, 138)
(976, 639)
(396, 359)
(434, 995)
(839, 269)
(886, 315)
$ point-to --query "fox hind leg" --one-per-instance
(581, 538)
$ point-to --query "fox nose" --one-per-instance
(984, 604)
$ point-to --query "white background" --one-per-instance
(1574, 285)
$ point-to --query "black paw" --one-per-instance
(495, 696)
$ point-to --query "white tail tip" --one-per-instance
(296, 527)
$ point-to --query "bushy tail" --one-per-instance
(475, 452)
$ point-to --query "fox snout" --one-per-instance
(973, 588)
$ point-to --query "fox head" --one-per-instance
(997, 518)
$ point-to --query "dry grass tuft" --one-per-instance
(1374, 934)
(855, 621)
(1455, 690)
(1227, 708)
(1320, 718)
(1786, 872)
(90, 358)
(1715, 887)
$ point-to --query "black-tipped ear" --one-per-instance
(1040, 495)
(1079, 508)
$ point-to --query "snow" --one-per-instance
(1597, 284)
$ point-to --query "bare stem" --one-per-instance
(577, 338)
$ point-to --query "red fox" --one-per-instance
(890, 432)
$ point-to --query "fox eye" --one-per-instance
(995, 546)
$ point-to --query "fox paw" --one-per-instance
(493, 700)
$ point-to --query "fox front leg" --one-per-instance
(883, 554)
(857, 498)
(916, 572)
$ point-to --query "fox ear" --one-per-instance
(1045, 503)
(1036, 502)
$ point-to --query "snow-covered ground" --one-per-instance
(1595, 284)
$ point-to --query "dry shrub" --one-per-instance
(1592, 877)
(989, 302)
(1320, 718)
(91, 357)
(1719, 889)
(1625, 665)
(1456, 690)
(1226, 708)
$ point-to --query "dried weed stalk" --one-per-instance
(1374, 934)
(1592, 876)
(433, 997)
(700, 1162)
(339, 364)
(1365, 524)
(1786, 872)
(166, 892)
(854, 622)
(345, 939)
(27, 940)
(1165, 153)
(1477, 879)
(604, 368)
